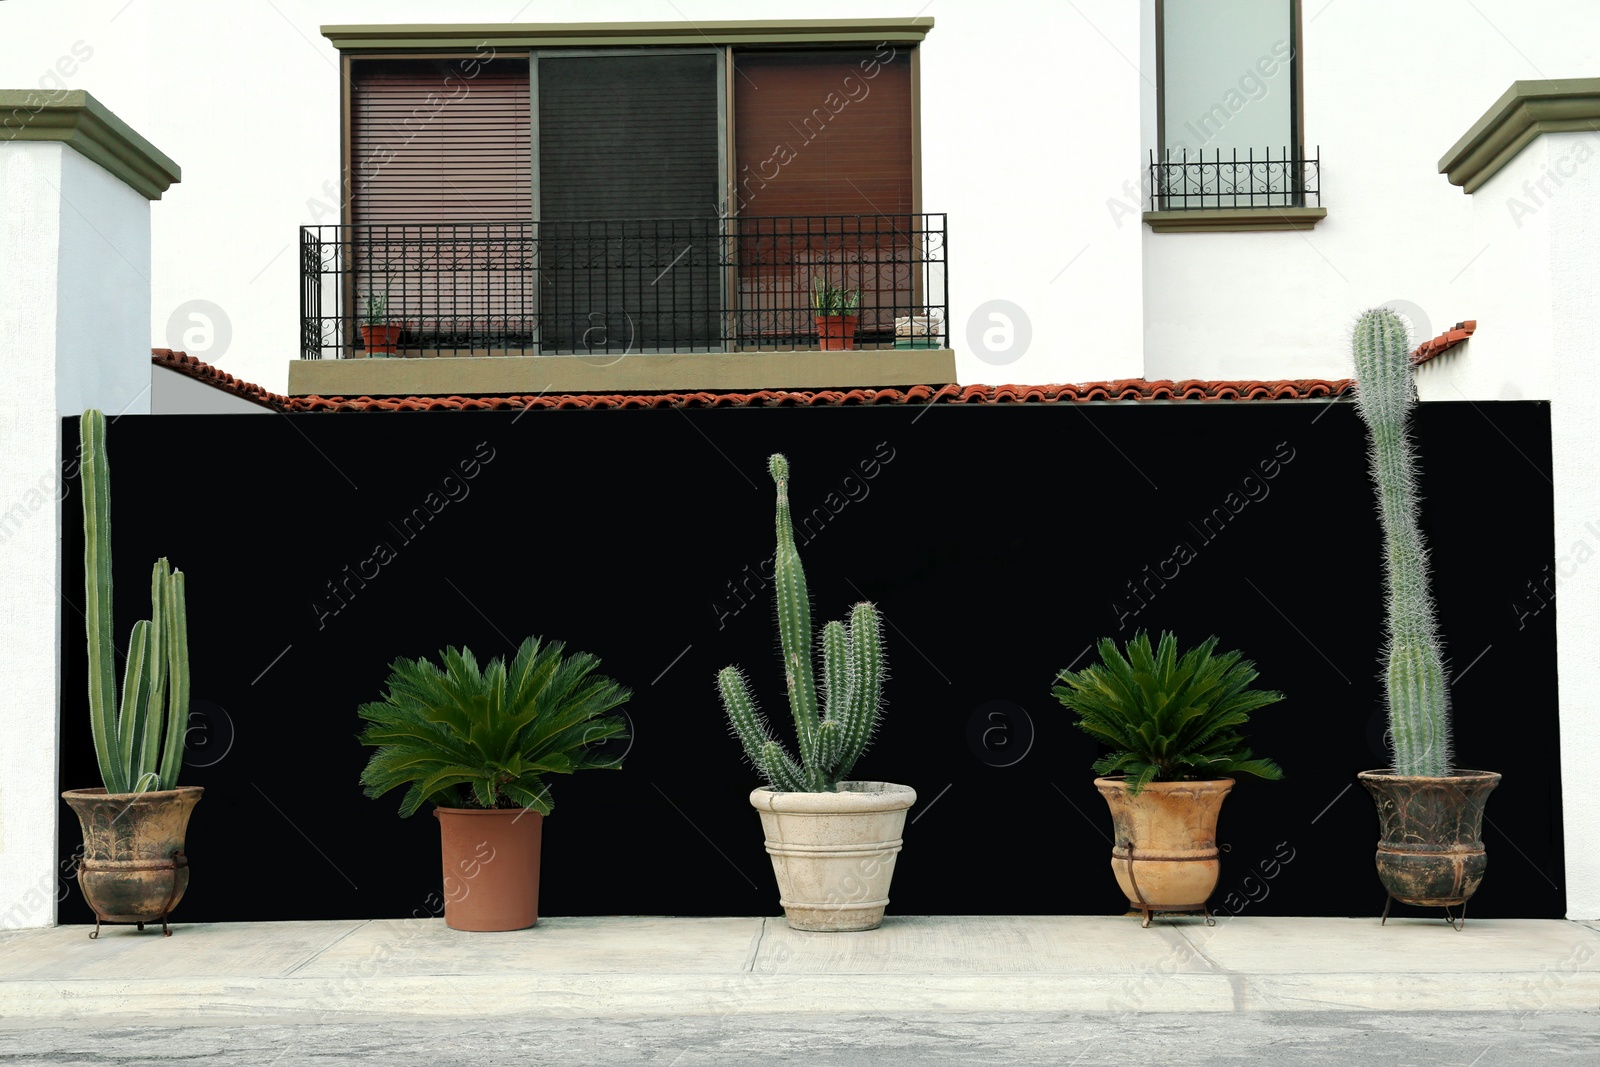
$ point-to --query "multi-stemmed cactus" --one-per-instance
(140, 746)
(852, 678)
(1418, 693)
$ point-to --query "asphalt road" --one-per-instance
(1410, 1039)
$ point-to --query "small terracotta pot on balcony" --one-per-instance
(491, 867)
(380, 340)
(1430, 835)
(134, 868)
(837, 333)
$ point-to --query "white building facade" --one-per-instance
(1034, 128)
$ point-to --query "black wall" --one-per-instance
(999, 542)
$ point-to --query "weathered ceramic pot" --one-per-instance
(1430, 847)
(1164, 847)
(491, 867)
(834, 853)
(134, 868)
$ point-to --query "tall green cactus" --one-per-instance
(852, 678)
(139, 746)
(1418, 691)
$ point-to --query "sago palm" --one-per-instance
(463, 737)
(1165, 717)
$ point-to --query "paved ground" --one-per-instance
(1066, 991)
(329, 971)
(1312, 1039)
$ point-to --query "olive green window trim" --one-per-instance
(85, 124)
(1523, 112)
(1235, 219)
(499, 375)
(613, 34)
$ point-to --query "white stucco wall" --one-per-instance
(1025, 135)
(174, 393)
(75, 253)
(1388, 88)
(1574, 234)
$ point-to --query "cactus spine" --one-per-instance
(139, 746)
(1417, 689)
(852, 678)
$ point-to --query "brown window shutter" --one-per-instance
(814, 134)
(440, 140)
(441, 195)
(823, 176)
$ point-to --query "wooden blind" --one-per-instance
(823, 174)
(440, 140)
(814, 134)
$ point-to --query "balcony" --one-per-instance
(624, 304)
(1256, 191)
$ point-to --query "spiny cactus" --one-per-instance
(852, 678)
(1418, 691)
(140, 746)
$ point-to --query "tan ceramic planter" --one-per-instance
(134, 868)
(1165, 849)
(491, 867)
(834, 853)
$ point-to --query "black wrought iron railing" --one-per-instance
(1255, 179)
(621, 286)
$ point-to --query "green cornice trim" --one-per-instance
(1235, 219)
(427, 36)
(1523, 112)
(79, 120)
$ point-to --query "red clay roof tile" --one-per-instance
(1121, 389)
(1445, 341)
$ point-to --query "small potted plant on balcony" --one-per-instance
(1172, 725)
(1430, 813)
(833, 842)
(477, 744)
(835, 311)
(378, 337)
(134, 868)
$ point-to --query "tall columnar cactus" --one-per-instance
(852, 678)
(1418, 691)
(139, 746)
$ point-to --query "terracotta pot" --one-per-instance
(834, 853)
(491, 867)
(1430, 847)
(1164, 849)
(837, 333)
(134, 867)
(380, 340)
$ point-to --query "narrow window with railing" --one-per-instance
(1229, 109)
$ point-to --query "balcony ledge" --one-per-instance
(655, 372)
(1235, 219)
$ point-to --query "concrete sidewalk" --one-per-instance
(341, 971)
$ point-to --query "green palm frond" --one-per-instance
(1167, 717)
(458, 734)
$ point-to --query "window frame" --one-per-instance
(1297, 123)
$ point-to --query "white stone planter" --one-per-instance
(834, 853)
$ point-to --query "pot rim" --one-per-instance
(518, 812)
(99, 793)
(1387, 774)
(880, 796)
(1122, 781)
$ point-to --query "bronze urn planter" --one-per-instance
(134, 867)
(1430, 839)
